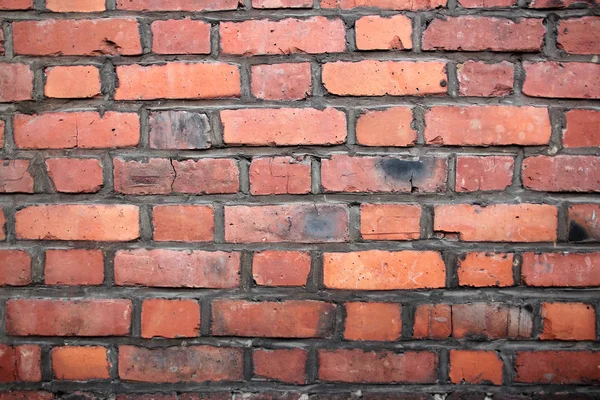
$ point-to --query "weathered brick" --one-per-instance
(390, 221)
(72, 82)
(177, 5)
(183, 223)
(373, 321)
(475, 366)
(473, 33)
(300, 222)
(63, 317)
(16, 82)
(577, 35)
(282, 365)
(178, 80)
(575, 80)
(477, 78)
(568, 321)
(385, 4)
(379, 78)
(484, 173)
(378, 33)
(481, 321)
(560, 3)
(15, 177)
(280, 175)
(360, 366)
(583, 223)
(170, 318)
(180, 36)
(26, 395)
(93, 222)
(83, 37)
(281, 81)
(283, 126)
(287, 319)
(433, 321)
(487, 125)
(80, 363)
(180, 364)
(384, 270)
(175, 268)
(562, 173)
(179, 130)
(343, 173)
(561, 269)
(15, 268)
(557, 367)
(75, 175)
(498, 222)
(67, 130)
(20, 363)
(280, 268)
(580, 130)
(389, 127)
(313, 36)
(487, 3)
(74, 267)
(486, 269)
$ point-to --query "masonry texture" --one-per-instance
(299, 200)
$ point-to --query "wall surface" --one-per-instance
(275, 199)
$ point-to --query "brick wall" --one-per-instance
(351, 199)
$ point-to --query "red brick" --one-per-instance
(1, 42)
(2, 225)
(93, 222)
(174, 268)
(280, 268)
(15, 268)
(475, 366)
(486, 269)
(183, 130)
(179, 223)
(568, 321)
(80, 363)
(26, 395)
(16, 4)
(561, 269)
(16, 82)
(82, 37)
(180, 364)
(280, 175)
(343, 173)
(75, 5)
(557, 367)
(74, 267)
(281, 81)
(484, 173)
(75, 175)
(390, 221)
(206, 176)
(2, 126)
(497, 222)
(373, 321)
(170, 318)
(561, 3)
(487, 125)
(299, 222)
(562, 173)
(379, 78)
(313, 35)
(583, 223)
(20, 363)
(151, 176)
(180, 36)
(360, 366)
(385, 4)
(15, 177)
(487, 3)
(282, 4)
(575, 80)
(389, 127)
(478, 321)
(433, 321)
(177, 5)
(286, 319)
(472, 33)
(63, 317)
(384, 270)
(576, 35)
(378, 33)
(283, 126)
(178, 80)
(282, 365)
(67, 130)
(159, 396)
(581, 131)
(476, 78)
(72, 82)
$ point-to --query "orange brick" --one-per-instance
(475, 366)
(178, 223)
(476, 78)
(281, 81)
(180, 36)
(283, 365)
(72, 82)
(486, 269)
(74, 267)
(280, 268)
(15, 268)
(177, 5)
(433, 321)
(373, 321)
(571, 80)
(80, 363)
(280, 175)
(484, 173)
(390, 221)
(379, 33)
(76, 5)
(385, 4)
(580, 131)
(75, 175)
(390, 127)
(170, 318)
(568, 321)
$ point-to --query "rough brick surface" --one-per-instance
(299, 200)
